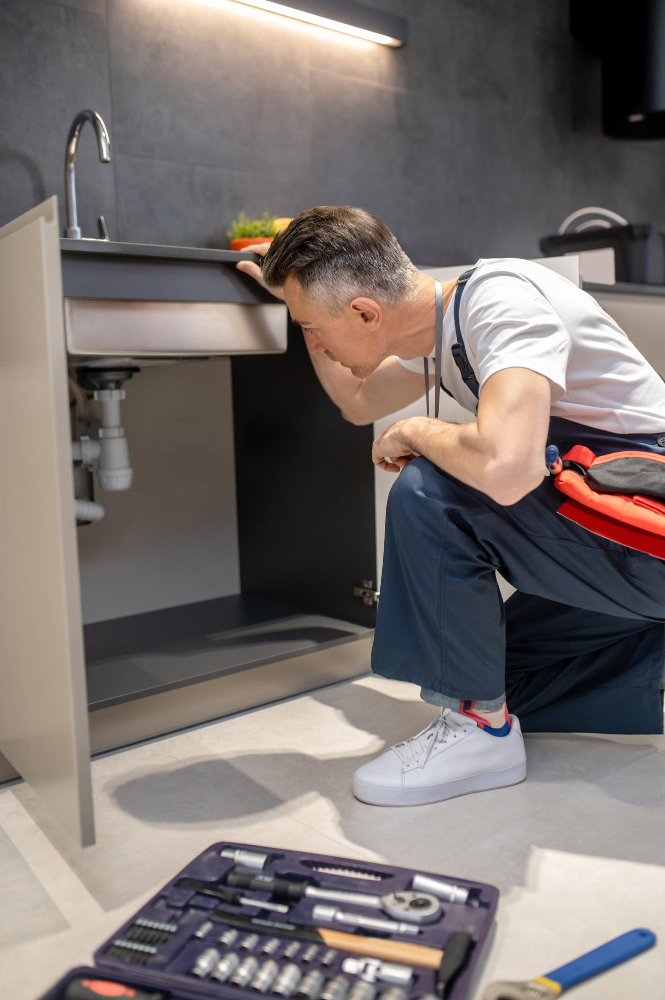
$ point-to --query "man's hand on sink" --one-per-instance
(249, 267)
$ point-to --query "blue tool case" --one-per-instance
(178, 931)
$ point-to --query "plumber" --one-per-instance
(579, 646)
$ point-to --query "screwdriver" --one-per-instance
(292, 891)
(92, 988)
(227, 896)
(552, 460)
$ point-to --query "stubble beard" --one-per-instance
(363, 371)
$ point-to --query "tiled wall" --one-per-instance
(474, 140)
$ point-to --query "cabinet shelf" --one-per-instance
(143, 655)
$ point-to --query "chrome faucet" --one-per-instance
(104, 143)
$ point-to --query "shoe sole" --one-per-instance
(438, 793)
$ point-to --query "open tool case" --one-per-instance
(179, 931)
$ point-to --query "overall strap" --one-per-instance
(447, 391)
(438, 350)
(438, 345)
(458, 349)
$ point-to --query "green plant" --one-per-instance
(243, 226)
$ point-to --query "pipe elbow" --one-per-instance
(88, 510)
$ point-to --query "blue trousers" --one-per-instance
(579, 647)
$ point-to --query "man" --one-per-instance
(580, 645)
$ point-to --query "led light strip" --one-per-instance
(323, 22)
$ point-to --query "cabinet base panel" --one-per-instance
(156, 673)
(169, 711)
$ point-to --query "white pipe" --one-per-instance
(85, 450)
(593, 224)
(603, 213)
(88, 510)
(113, 469)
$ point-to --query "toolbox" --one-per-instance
(241, 921)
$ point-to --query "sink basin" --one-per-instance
(139, 304)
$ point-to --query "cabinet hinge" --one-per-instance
(367, 592)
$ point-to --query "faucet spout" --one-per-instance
(104, 144)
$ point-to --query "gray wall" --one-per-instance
(474, 140)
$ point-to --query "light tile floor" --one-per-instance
(578, 850)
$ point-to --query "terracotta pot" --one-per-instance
(249, 241)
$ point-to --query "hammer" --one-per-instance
(446, 963)
(553, 984)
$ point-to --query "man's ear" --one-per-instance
(368, 310)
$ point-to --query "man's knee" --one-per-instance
(418, 482)
(421, 478)
(410, 481)
(422, 489)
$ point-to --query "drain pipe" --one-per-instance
(114, 473)
(109, 450)
(88, 510)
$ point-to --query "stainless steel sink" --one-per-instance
(143, 305)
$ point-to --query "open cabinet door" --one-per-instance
(43, 706)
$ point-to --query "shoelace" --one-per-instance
(423, 742)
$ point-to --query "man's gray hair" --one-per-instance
(337, 253)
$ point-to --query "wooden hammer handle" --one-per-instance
(390, 951)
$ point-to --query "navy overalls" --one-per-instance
(578, 648)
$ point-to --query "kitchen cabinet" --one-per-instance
(305, 507)
(43, 713)
(640, 312)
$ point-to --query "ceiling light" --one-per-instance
(347, 16)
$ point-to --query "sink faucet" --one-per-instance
(104, 143)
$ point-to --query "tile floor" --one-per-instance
(578, 850)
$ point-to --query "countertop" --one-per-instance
(623, 288)
(102, 269)
(110, 248)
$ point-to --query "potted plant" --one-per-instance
(245, 231)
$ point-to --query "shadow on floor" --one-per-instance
(574, 781)
(584, 795)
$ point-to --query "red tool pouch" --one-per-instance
(620, 496)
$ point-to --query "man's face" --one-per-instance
(355, 337)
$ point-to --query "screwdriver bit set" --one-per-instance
(242, 921)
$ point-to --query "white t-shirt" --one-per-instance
(518, 314)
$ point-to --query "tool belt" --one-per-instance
(620, 496)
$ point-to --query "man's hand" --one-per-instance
(392, 449)
(254, 271)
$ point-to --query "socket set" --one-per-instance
(242, 921)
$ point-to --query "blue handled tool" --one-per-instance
(553, 984)
(552, 460)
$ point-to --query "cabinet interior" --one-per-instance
(305, 512)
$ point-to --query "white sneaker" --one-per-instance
(452, 756)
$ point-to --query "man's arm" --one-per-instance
(501, 453)
(364, 400)
(361, 401)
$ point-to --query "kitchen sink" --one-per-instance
(139, 304)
